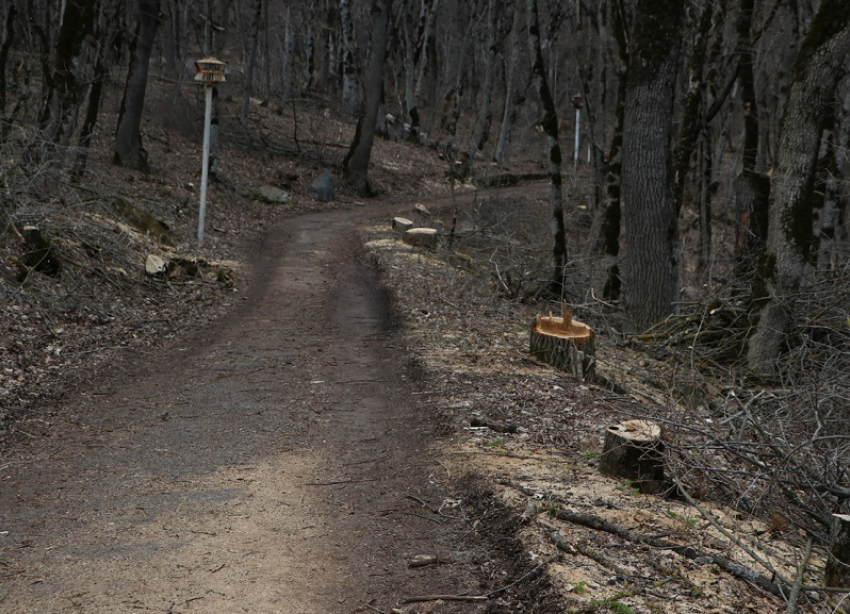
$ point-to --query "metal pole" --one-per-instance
(578, 138)
(208, 90)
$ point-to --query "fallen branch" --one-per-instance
(422, 598)
(700, 556)
(512, 455)
(798, 583)
(494, 426)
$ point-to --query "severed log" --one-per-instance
(837, 573)
(634, 451)
(564, 343)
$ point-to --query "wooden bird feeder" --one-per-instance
(209, 71)
(564, 343)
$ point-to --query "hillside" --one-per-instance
(462, 314)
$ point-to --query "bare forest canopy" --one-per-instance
(696, 154)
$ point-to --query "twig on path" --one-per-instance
(489, 595)
(335, 482)
(422, 598)
(525, 576)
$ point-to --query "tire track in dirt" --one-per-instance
(274, 464)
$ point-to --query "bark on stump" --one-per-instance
(402, 224)
(837, 573)
(564, 343)
(421, 237)
(634, 451)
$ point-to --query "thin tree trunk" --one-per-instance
(7, 37)
(288, 60)
(651, 271)
(751, 187)
(356, 163)
(128, 140)
(816, 74)
(350, 86)
(612, 213)
(59, 114)
(514, 96)
(251, 62)
(692, 119)
(485, 115)
(93, 102)
(420, 65)
(553, 152)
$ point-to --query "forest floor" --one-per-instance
(284, 422)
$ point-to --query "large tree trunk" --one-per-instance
(651, 270)
(818, 69)
(128, 140)
(549, 124)
(356, 163)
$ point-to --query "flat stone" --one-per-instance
(271, 194)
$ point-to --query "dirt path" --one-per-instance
(277, 464)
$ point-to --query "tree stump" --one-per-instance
(837, 574)
(634, 451)
(421, 237)
(564, 343)
(402, 224)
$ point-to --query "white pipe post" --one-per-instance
(578, 139)
(208, 90)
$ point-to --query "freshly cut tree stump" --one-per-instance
(402, 224)
(564, 343)
(634, 451)
(837, 574)
(421, 237)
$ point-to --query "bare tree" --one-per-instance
(514, 88)
(549, 124)
(485, 97)
(128, 140)
(256, 11)
(64, 88)
(7, 36)
(817, 71)
(350, 85)
(651, 269)
(356, 162)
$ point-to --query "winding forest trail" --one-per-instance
(276, 463)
